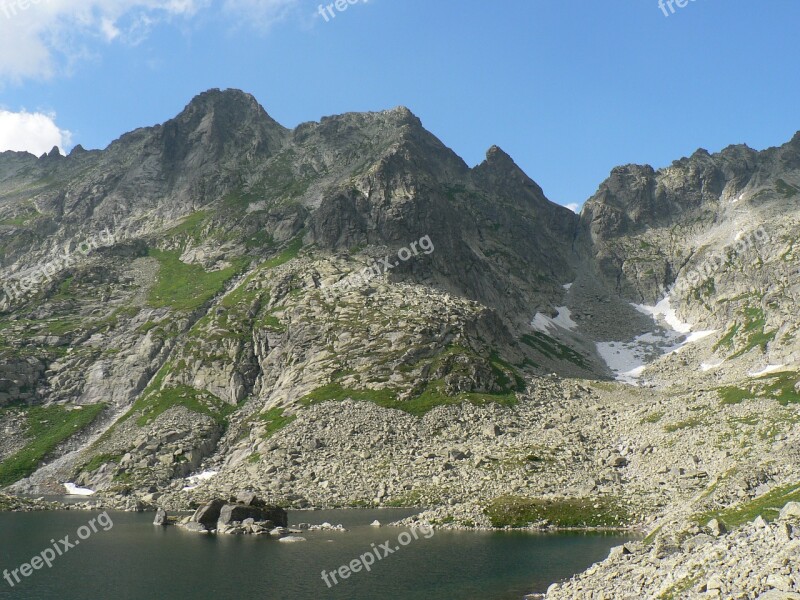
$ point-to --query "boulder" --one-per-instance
(248, 498)
(196, 527)
(161, 517)
(239, 512)
(617, 461)
(491, 430)
(716, 527)
(208, 515)
(791, 511)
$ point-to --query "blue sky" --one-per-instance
(569, 88)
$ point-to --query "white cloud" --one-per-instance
(36, 133)
(42, 38)
(573, 206)
(39, 38)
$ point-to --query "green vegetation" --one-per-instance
(654, 417)
(683, 585)
(733, 394)
(151, 406)
(780, 386)
(752, 331)
(22, 219)
(186, 287)
(787, 190)
(754, 325)
(98, 461)
(46, 428)
(191, 227)
(686, 424)
(519, 511)
(727, 340)
(290, 253)
(275, 420)
(767, 506)
(552, 348)
(432, 397)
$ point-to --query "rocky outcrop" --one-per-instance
(251, 516)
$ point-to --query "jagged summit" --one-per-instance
(230, 104)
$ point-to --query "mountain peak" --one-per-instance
(223, 121)
(229, 102)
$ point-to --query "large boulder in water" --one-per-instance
(239, 512)
(208, 515)
(161, 517)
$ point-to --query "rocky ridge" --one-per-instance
(176, 325)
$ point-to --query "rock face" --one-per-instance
(208, 515)
(240, 512)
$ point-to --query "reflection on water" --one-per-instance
(135, 560)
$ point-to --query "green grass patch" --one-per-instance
(46, 428)
(787, 190)
(191, 227)
(767, 506)
(98, 461)
(275, 420)
(520, 511)
(779, 386)
(418, 406)
(686, 424)
(733, 395)
(290, 253)
(653, 417)
(727, 339)
(152, 405)
(186, 287)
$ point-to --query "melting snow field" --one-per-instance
(74, 490)
(712, 365)
(766, 370)
(563, 319)
(628, 360)
(195, 479)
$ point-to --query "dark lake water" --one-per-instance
(135, 560)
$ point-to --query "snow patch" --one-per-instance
(194, 480)
(563, 320)
(665, 311)
(766, 370)
(628, 360)
(74, 490)
(713, 365)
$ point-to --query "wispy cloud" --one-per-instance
(41, 39)
(36, 133)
